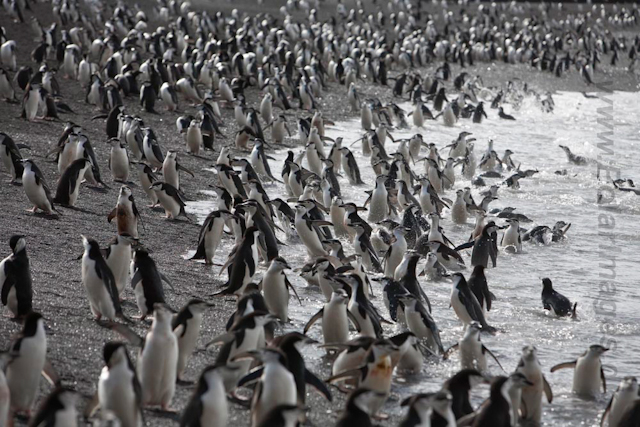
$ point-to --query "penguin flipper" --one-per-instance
(314, 319)
(290, 286)
(606, 411)
(450, 350)
(564, 365)
(111, 215)
(311, 379)
(604, 380)
(355, 322)
(486, 350)
(128, 334)
(50, 374)
(7, 282)
(547, 389)
(167, 281)
(222, 339)
(91, 407)
(348, 374)
(465, 246)
(251, 377)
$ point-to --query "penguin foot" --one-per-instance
(381, 416)
(184, 382)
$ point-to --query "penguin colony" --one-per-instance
(201, 62)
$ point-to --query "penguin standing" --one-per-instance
(36, 188)
(396, 252)
(359, 408)
(99, 282)
(171, 200)
(421, 323)
(478, 284)
(472, 350)
(15, 279)
(171, 169)
(118, 161)
(531, 395)
(459, 209)
(465, 304)
(208, 404)
(485, 247)
(31, 102)
(69, 184)
(275, 286)
(186, 326)
(58, 409)
(335, 319)
(379, 205)
(29, 351)
(126, 213)
(119, 390)
(244, 263)
(147, 177)
(498, 412)
(11, 157)
(621, 402)
(308, 232)
(146, 282)
(210, 235)
(193, 137)
(118, 258)
(588, 376)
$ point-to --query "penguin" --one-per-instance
(362, 246)
(259, 160)
(465, 304)
(31, 102)
(588, 376)
(126, 213)
(631, 415)
(424, 406)
(410, 357)
(359, 408)
(283, 416)
(171, 169)
(484, 246)
(208, 403)
(396, 252)
(147, 177)
(621, 402)
(459, 386)
(244, 263)
(361, 307)
(58, 409)
(308, 232)
(447, 257)
(118, 259)
(421, 323)
(146, 282)
(119, 390)
(118, 161)
(350, 167)
(194, 137)
(504, 115)
(158, 360)
(28, 351)
(335, 319)
(15, 279)
(556, 303)
(36, 188)
(478, 284)
(459, 209)
(148, 98)
(379, 205)
(6, 87)
(99, 282)
(210, 235)
(472, 350)
(275, 287)
(186, 326)
(171, 200)
(69, 183)
(511, 239)
(11, 157)
(151, 149)
(498, 411)
(479, 113)
(531, 395)
(169, 96)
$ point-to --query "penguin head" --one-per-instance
(114, 352)
(66, 396)
(597, 350)
(547, 285)
(197, 306)
(529, 353)
(441, 401)
(280, 264)
(90, 244)
(629, 384)
(458, 280)
(17, 243)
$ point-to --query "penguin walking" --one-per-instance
(171, 200)
(37, 189)
(186, 326)
(358, 410)
(126, 213)
(472, 350)
(69, 184)
(459, 386)
(555, 302)
(465, 304)
(208, 404)
(146, 281)
(147, 177)
(275, 286)
(119, 389)
(29, 351)
(58, 409)
(335, 318)
(499, 412)
(210, 235)
(308, 232)
(485, 246)
(478, 284)
(396, 252)
(11, 157)
(244, 263)
(459, 209)
(421, 323)
(99, 282)
(118, 259)
(379, 204)
(15, 279)
(171, 169)
(283, 416)
(424, 406)
(531, 395)
(362, 246)
(32, 102)
(588, 375)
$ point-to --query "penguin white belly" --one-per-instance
(187, 342)
(276, 296)
(171, 207)
(73, 197)
(366, 326)
(379, 377)
(532, 395)
(449, 117)
(378, 209)
(215, 411)
(621, 402)
(335, 324)
(471, 356)
(35, 192)
(33, 101)
(459, 213)
(158, 365)
(99, 297)
(119, 262)
(310, 239)
(278, 388)
(586, 377)
(325, 287)
(416, 325)
(411, 361)
(116, 394)
(119, 165)
(12, 300)
(459, 308)
(346, 361)
(171, 176)
(23, 374)
(141, 301)
(194, 140)
(212, 240)
(67, 417)
(425, 202)
(146, 183)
